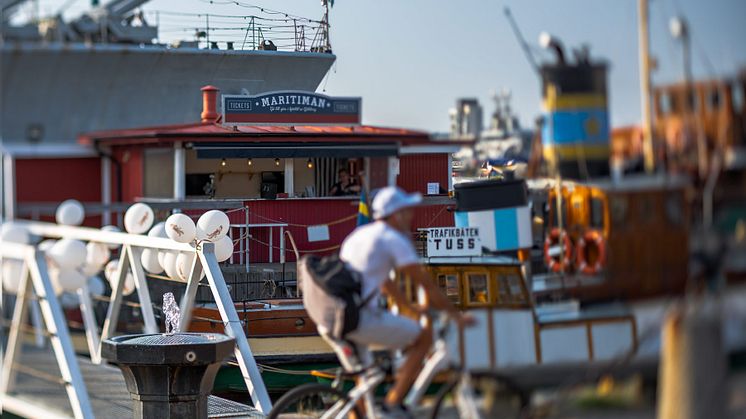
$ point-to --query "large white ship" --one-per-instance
(108, 68)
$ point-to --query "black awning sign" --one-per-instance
(290, 107)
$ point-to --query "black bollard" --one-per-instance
(169, 376)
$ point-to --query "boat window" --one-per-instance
(597, 213)
(737, 93)
(714, 99)
(479, 292)
(406, 286)
(511, 290)
(692, 100)
(675, 209)
(553, 213)
(618, 206)
(664, 103)
(448, 283)
(674, 102)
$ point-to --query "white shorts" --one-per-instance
(386, 329)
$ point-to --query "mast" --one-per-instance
(647, 128)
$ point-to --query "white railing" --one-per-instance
(129, 260)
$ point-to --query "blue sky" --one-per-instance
(411, 59)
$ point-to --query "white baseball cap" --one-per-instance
(391, 199)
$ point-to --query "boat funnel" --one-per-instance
(209, 104)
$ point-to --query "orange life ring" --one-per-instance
(557, 263)
(595, 238)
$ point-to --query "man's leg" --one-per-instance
(407, 374)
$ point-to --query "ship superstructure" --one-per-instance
(108, 69)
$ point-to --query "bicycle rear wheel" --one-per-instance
(308, 401)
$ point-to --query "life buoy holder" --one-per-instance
(595, 238)
(559, 262)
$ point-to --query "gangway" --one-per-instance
(29, 385)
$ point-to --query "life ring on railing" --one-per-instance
(557, 263)
(591, 238)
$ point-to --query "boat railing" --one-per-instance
(35, 280)
(242, 229)
(271, 32)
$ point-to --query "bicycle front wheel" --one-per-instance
(490, 396)
(309, 401)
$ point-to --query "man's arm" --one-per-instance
(435, 296)
(390, 289)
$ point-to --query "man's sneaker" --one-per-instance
(395, 412)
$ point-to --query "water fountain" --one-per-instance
(169, 375)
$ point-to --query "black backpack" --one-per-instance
(332, 293)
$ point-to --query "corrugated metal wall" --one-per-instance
(339, 214)
(416, 171)
(58, 179)
(131, 160)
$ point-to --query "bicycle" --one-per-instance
(317, 400)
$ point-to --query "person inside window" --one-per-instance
(346, 185)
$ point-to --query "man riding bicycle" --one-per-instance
(375, 250)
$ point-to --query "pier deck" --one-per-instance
(40, 392)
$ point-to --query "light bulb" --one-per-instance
(249, 162)
(277, 162)
(309, 163)
(223, 162)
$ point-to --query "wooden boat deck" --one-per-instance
(38, 394)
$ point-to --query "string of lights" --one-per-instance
(260, 8)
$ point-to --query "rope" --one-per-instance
(269, 368)
(436, 216)
(331, 223)
(261, 9)
(325, 249)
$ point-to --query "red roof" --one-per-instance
(208, 132)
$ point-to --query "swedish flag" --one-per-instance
(363, 214)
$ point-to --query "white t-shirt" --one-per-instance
(374, 250)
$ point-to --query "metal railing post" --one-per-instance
(234, 328)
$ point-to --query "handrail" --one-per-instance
(92, 234)
(292, 242)
(130, 260)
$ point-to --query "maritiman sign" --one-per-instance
(453, 241)
(290, 107)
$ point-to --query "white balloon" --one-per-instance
(224, 249)
(70, 213)
(66, 280)
(169, 264)
(91, 270)
(139, 218)
(46, 245)
(184, 265)
(161, 255)
(68, 254)
(110, 272)
(96, 286)
(180, 228)
(113, 229)
(12, 271)
(212, 225)
(150, 262)
(14, 233)
(97, 254)
(158, 230)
